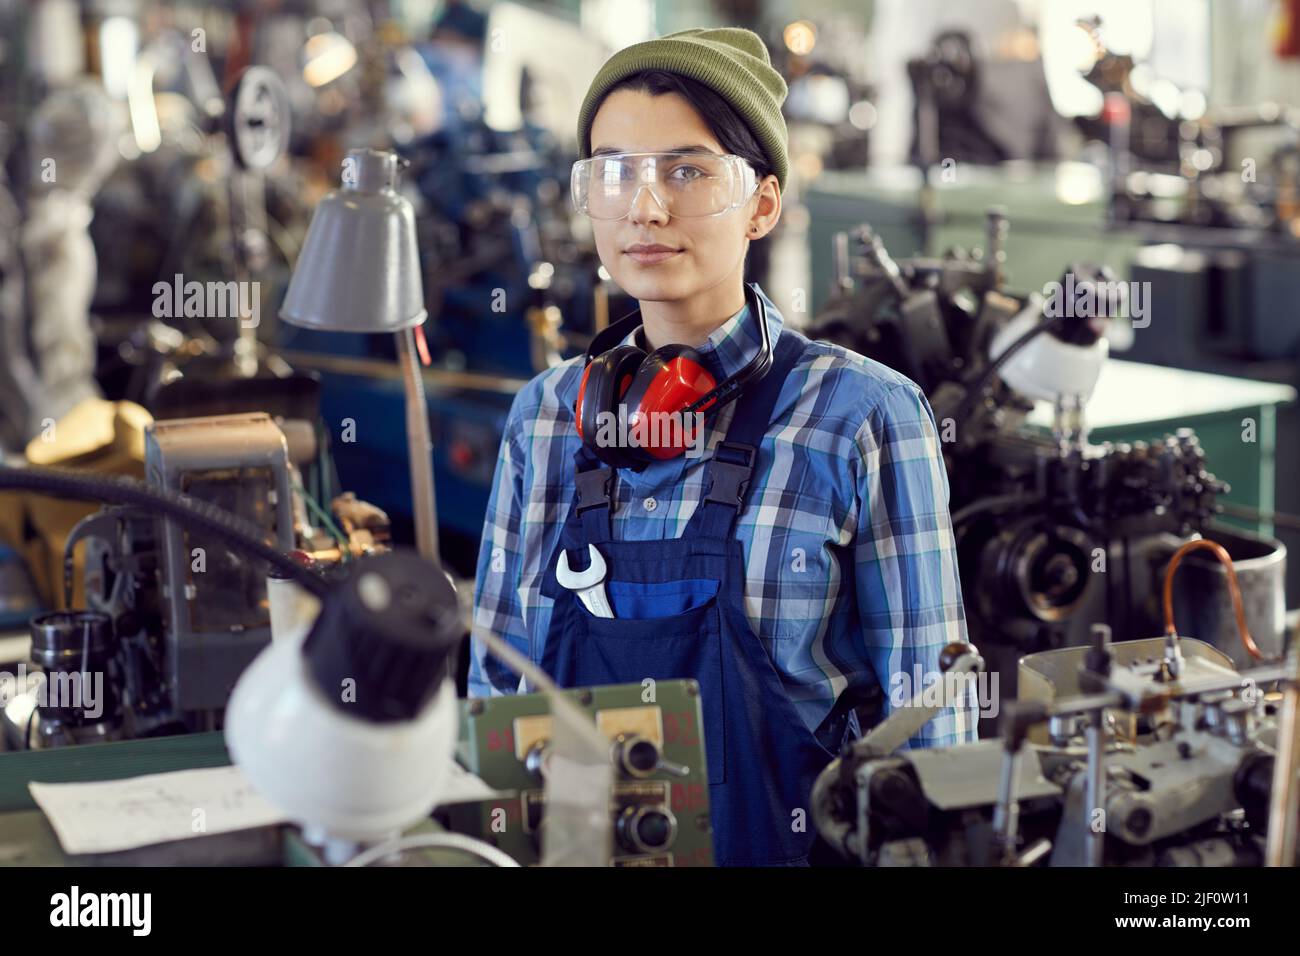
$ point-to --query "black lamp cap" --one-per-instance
(386, 638)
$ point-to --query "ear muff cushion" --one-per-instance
(608, 376)
(675, 373)
(668, 380)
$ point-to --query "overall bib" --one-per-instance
(681, 614)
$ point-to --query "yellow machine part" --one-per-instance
(95, 436)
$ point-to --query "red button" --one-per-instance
(462, 455)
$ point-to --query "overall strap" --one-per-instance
(593, 503)
(727, 475)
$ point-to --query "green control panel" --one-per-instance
(659, 810)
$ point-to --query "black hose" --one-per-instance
(171, 505)
(995, 503)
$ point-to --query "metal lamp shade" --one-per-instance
(359, 269)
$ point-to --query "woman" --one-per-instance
(804, 554)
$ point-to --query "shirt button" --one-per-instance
(650, 504)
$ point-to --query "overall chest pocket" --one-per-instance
(688, 645)
(659, 599)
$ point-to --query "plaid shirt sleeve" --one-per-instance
(908, 587)
(497, 606)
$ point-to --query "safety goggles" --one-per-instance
(690, 184)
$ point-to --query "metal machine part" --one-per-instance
(48, 357)
(1143, 768)
(18, 598)
(76, 700)
(976, 109)
(216, 612)
(259, 118)
(659, 811)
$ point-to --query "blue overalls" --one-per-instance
(762, 759)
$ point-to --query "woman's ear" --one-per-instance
(767, 210)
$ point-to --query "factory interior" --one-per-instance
(397, 471)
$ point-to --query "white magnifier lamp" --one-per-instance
(350, 729)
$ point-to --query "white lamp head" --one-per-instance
(351, 730)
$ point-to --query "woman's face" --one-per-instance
(706, 250)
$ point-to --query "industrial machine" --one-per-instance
(1148, 752)
(969, 109)
(172, 613)
(1053, 532)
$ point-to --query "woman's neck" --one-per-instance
(691, 321)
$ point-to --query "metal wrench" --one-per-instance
(588, 584)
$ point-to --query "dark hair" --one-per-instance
(732, 132)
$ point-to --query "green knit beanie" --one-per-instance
(732, 62)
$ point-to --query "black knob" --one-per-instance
(1097, 660)
(647, 829)
(386, 638)
(636, 756)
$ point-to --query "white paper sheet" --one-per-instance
(111, 815)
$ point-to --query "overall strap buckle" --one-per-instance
(730, 471)
(594, 488)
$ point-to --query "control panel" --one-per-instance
(659, 805)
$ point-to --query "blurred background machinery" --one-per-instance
(1055, 531)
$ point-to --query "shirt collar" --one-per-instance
(734, 343)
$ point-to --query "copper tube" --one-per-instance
(1234, 591)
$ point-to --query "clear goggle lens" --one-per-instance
(688, 184)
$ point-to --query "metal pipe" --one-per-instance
(1096, 734)
(1006, 815)
(420, 449)
(995, 236)
(840, 256)
(1284, 800)
(379, 368)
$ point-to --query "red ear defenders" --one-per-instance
(628, 399)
